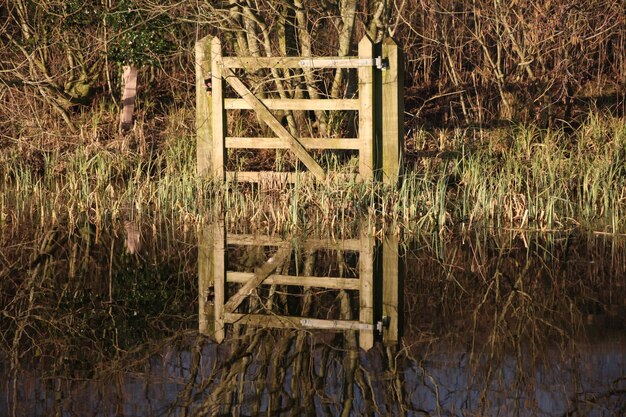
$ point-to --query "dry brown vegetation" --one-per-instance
(466, 62)
(471, 67)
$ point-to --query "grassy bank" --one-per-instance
(513, 177)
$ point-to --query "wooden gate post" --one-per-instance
(219, 116)
(204, 144)
(366, 110)
(129, 92)
(392, 109)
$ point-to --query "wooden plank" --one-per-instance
(278, 143)
(267, 176)
(218, 121)
(336, 62)
(254, 63)
(295, 146)
(304, 281)
(391, 289)
(282, 177)
(219, 278)
(260, 274)
(129, 92)
(255, 240)
(392, 112)
(294, 322)
(366, 292)
(247, 239)
(366, 111)
(342, 244)
(204, 145)
(294, 104)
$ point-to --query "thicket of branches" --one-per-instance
(466, 62)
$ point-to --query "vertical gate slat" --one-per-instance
(366, 110)
(391, 288)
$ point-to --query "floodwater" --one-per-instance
(493, 323)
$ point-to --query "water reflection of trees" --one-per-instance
(519, 310)
(284, 372)
(493, 324)
(73, 302)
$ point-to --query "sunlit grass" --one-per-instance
(519, 177)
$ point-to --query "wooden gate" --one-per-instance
(379, 105)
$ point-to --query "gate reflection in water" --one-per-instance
(303, 283)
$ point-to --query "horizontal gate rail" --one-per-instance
(295, 104)
(251, 63)
(278, 143)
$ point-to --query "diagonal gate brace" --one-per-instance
(294, 145)
(260, 274)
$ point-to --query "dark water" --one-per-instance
(490, 324)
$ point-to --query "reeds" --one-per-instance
(518, 177)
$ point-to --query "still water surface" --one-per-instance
(492, 324)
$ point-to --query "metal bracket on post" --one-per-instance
(381, 64)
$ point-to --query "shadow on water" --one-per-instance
(485, 324)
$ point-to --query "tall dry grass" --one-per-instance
(519, 177)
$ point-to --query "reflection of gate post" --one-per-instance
(219, 276)
(211, 280)
(205, 281)
(391, 291)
